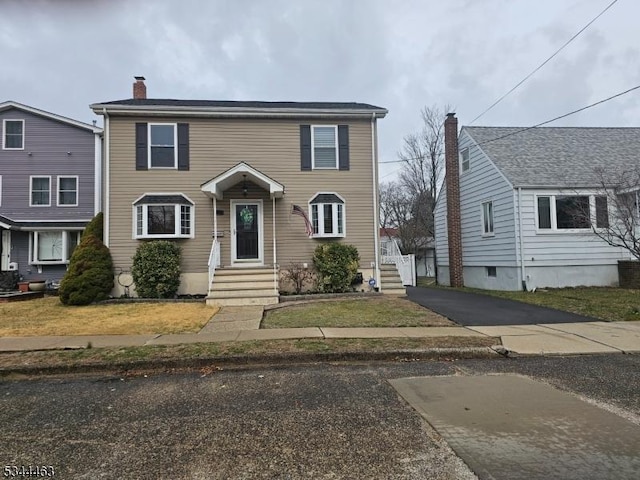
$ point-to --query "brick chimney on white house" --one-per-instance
(139, 89)
(452, 168)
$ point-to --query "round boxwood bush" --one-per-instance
(95, 227)
(337, 265)
(89, 277)
(156, 269)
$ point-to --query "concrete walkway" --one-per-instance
(243, 323)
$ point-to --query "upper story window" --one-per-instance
(162, 145)
(40, 194)
(68, 191)
(487, 218)
(163, 216)
(327, 215)
(464, 160)
(52, 247)
(13, 134)
(572, 212)
(324, 147)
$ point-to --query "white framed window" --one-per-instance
(571, 212)
(163, 145)
(68, 191)
(324, 147)
(0, 190)
(464, 160)
(163, 216)
(327, 215)
(13, 134)
(50, 247)
(487, 219)
(39, 191)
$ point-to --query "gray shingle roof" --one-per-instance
(558, 156)
(164, 102)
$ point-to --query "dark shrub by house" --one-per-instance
(95, 227)
(337, 265)
(90, 274)
(156, 269)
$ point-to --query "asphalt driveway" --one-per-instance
(472, 309)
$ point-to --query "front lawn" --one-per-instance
(369, 312)
(612, 304)
(47, 316)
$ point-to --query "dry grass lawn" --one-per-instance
(365, 312)
(47, 316)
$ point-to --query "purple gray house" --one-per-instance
(49, 189)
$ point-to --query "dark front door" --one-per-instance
(247, 231)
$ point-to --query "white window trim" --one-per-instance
(313, 148)
(554, 230)
(77, 191)
(321, 233)
(33, 247)
(0, 190)
(462, 169)
(175, 146)
(177, 226)
(4, 133)
(31, 177)
(482, 218)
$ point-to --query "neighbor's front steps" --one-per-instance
(390, 280)
(244, 286)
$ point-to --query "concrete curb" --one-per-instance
(241, 361)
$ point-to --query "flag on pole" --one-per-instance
(296, 210)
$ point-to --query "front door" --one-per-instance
(247, 231)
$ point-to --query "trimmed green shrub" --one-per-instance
(156, 269)
(89, 277)
(337, 265)
(95, 227)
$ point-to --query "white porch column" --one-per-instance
(275, 257)
(215, 219)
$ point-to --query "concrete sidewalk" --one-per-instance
(243, 323)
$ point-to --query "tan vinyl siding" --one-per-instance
(270, 146)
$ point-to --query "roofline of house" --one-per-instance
(181, 110)
(36, 111)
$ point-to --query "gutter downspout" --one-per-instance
(376, 216)
(522, 268)
(275, 258)
(107, 192)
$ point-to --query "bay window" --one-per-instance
(327, 215)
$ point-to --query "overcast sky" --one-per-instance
(63, 55)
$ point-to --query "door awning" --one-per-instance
(217, 185)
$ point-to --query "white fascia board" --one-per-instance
(52, 116)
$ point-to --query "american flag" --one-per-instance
(296, 210)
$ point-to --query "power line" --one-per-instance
(545, 62)
(561, 116)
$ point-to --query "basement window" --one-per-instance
(492, 272)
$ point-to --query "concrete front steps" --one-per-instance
(390, 280)
(243, 286)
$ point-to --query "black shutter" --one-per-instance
(141, 147)
(343, 147)
(305, 147)
(183, 146)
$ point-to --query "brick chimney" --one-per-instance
(454, 227)
(139, 89)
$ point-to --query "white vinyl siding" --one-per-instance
(324, 151)
(498, 248)
(553, 247)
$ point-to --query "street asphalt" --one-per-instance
(297, 422)
(472, 309)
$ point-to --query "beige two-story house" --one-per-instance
(224, 178)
